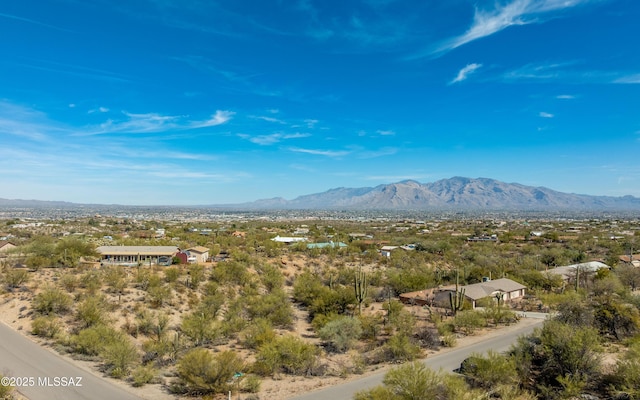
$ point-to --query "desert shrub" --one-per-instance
(91, 281)
(195, 274)
(625, 379)
(211, 304)
(498, 315)
(158, 295)
(416, 381)
(6, 392)
(251, 384)
(115, 278)
(15, 277)
(341, 333)
(428, 337)
(401, 348)
(52, 301)
(120, 354)
(235, 319)
(616, 319)
(91, 311)
(143, 374)
(271, 277)
(371, 326)
(230, 272)
(258, 333)
(171, 274)
(69, 282)
(144, 322)
(92, 341)
(203, 372)
(469, 321)
(47, 327)
(274, 306)
(200, 328)
(288, 354)
(490, 370)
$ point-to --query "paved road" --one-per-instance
(22, 358)
(446, 361)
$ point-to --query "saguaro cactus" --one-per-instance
(456, 300)
(361, 287)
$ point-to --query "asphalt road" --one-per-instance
(446, 361)
(42, 374)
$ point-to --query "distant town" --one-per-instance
(282, 302)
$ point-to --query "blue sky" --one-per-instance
(213, 102)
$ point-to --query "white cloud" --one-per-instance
(546, 115)
(219, 118)
(99, 109)
(265, 140)
(628, 79)
(464, 73)
(516, 12)
(385, 132)
(386, 151)
(327, 153)
(566, 97)
(154, 122)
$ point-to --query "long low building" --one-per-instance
(134, 255)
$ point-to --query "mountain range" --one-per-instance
(457, 193)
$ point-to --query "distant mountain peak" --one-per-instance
(459, 193)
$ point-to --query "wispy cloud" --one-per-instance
(546, 115)
(326, 153)
(265, 140)
(386, 132)
(74, 70)
(99, 109)
(633, 79)
(31, 21)
(464, 73)
(565, 97)
(154, 122)
(270, 119)
(488, 22)
(28, 123)
(219, 118)
(386, 151)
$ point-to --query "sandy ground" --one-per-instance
(15, 307)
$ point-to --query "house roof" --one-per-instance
(326, 244)
(7, 244)
(198, 249)
(388, 248)
(481, 290)
(285, 239)
(570, 270)
(137, 250)
(635, 257)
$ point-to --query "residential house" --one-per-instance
(323, 245)
(6, 246)
(631, 260)
(289, 240)
(568, 272)
(134, 255)
(504, 289)
(200, 253)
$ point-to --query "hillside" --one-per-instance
(455, 193)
